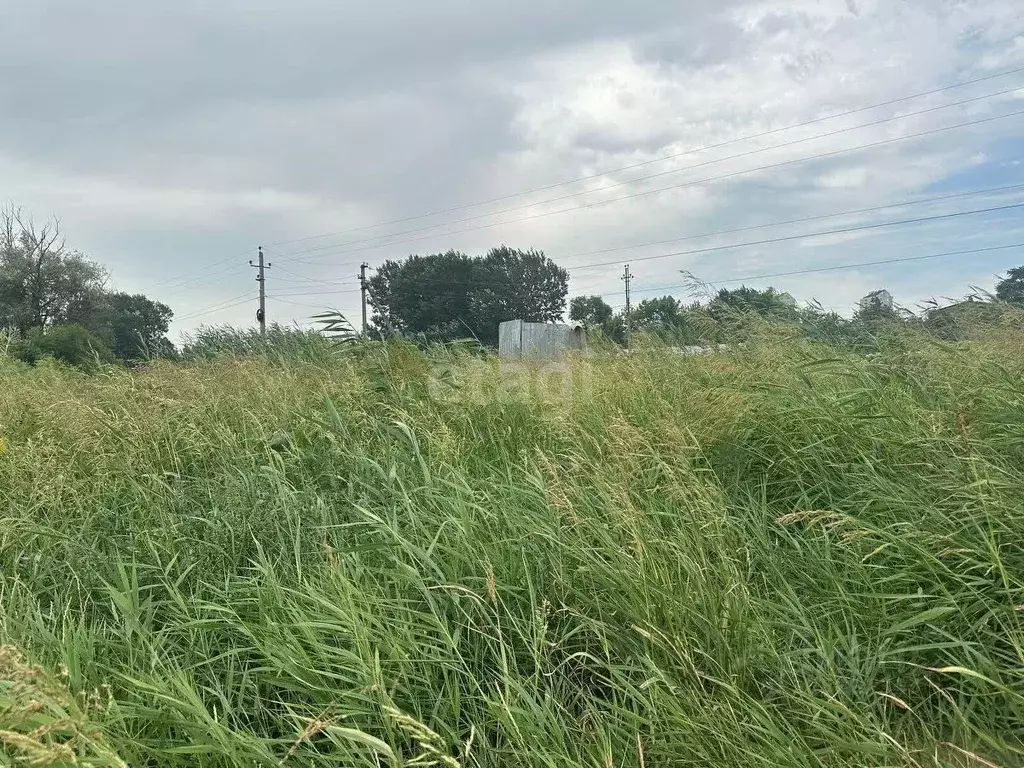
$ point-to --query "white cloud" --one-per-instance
(801, 61)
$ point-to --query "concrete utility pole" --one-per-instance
(362, 290)
(627, 276)
(261, 278)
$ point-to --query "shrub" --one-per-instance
(69, 344)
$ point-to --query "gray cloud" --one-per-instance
(387, 102)
(169, 135)
(122, 62)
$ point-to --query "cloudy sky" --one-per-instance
(173, 138)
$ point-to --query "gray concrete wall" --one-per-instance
(517, 339)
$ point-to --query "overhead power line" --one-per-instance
(670, 171)
(835, 268)
(790, 273)
(645, 193)
(231, 303)
(226, 304)
(661, 159)
(315, 280)
(293, 303)
(802, 220)
(730, 246)
(179, 282)
(722, 232)
(822, 233)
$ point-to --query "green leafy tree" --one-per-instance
(517, 285)
(663, 313)
(1011, 288)
(430, 295)
(592, 311)
(136, 326)
(452, 295)
(672, 321)
(42, 282)
(615, 328)
(595, 313)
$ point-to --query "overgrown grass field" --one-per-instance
(780, 556)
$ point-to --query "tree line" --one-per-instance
(451, 295)
(57, 303)
(447, 296)
(722, 316)
(54, 301)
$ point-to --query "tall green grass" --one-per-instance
(781, 556)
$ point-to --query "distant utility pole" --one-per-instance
(383, 315)
(261, 278)
(627, 276)
(362, 290)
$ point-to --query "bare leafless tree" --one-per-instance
(41, 280)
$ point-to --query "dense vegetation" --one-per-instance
(712, 320)
(792, 554)
(55, 302)
(448, 296)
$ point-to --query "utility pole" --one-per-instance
(261, 278)
(362, 290)
(627, 276)
(383, 315)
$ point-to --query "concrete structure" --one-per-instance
(877, 300)
(545, 341)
